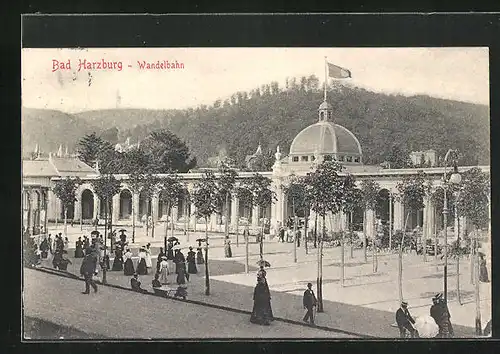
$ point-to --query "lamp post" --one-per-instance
(455, 178)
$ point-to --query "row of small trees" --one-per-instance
(325, 191)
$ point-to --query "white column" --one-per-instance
(135, 205)
(255, 216)
(425, 222)
(116, 207)
(369, 223)
(234, 211)
(96, 206)
(213, 222)
(78, 206)
(398, 215)
(155, 204)
(175, 214)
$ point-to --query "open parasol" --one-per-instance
(176, 247)
(122, 230)
(200, 240)
(263, 263)
(426, 327)
(172, 239)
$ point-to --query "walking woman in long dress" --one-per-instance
(149, 263)
(164, 270)
(191, 261)
(118, 261)
(142, 269)
(199, 256)
(261, 300)
(128, 266)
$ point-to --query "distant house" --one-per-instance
(428, 157)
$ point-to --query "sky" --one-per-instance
(216, 73)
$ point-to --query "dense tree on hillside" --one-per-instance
(92, 147)
(167, 152)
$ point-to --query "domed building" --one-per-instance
(324, 141)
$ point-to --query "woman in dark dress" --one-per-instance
(483, 271)
(199, 256)
(142, 268)
(181, 273)
(156, 282)
(44, 248)
(118, 261)
(191, 261)
(79, 248)
(261, 300)
(170, 251)
(158, 259)
(128, 266)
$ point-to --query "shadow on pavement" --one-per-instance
(38, 329)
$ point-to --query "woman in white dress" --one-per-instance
(164, 270)
(149, 263)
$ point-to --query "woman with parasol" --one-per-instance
(142, 269)
(261, 299)
(263, 275)
(199, 252)
(128, 266)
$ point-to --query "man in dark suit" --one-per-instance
(135, 284)
(309, 301)
(87, 269)
(405, 321)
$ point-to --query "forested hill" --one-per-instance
(273, 116)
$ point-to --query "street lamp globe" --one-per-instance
(455, 178)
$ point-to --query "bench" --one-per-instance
(166, 291)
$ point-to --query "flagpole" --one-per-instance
(326, 75)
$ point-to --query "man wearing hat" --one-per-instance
(439, 311)
(405, 321)
(309, 301)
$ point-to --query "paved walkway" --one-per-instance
(365, 305)
(121, 314)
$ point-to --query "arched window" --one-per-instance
(322, 115)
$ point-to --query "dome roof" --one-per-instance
(325, 138)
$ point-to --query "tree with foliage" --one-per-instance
(170, 192)
(324, 193)
(352, 202)
(92, 147)
(65, 190)
(106, 187)
(226, 183)
(370, 192)
(135, 160)
(168, 153)
(263, 197)
(473, 203)
(295, 191)
(411, 192)
(206, 199)
(397, 157)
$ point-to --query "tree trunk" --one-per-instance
(152, 221)
(400, 260)
(305, 230)
(472, 255)
(147, 219)
(479, 330)
(104, 280)
(319, 281)
(342, 258)
(294, 232)
(246, 235)
(237, 232)
(458, 257)
(65, 221)
(351, 235)
(364, 237)
(315, 230)
(226, 216)
(166, 229)
(133, 219)
(186, 221)
(207, 280)
(435, 242)
(374, 246)
(172, 225)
